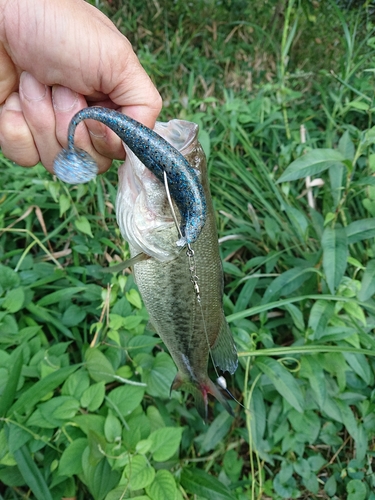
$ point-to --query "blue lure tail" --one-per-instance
(74, 166)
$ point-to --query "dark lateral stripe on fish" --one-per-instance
(156, 154)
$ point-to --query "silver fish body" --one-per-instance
(192, 329)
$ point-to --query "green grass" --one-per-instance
(84, 408)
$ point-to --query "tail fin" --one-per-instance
(200, 391)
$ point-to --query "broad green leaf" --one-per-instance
(165, 442)
(283, 381)
(139, 473)
(312, 370)
(320, 314)
(131, 322)
(14, 300)
(47, 317)
(134, 298)
(31, 474)
(302, 467)
(158, 373)
(98, 366)
(40, 389)
(361, 443)
(61, 295)
(346, 146)
(64, 203)
(245, 294)
(335, 255)
(93, 396)
(125, 399)
(112, 428)
(356, 490)
(73, 316)
(71, 459)
(360, 365)
(54, 412)
(100, 478)
(296, 315)
(330, 486)
(163, 486)
(66, 409)
(311, 483)
(200, 483)
(287, 489)
(360, 230)
(11, 476)
(8, 278)
(306, 425)
(83, 225)
(233, 464)
(258, 418)
(298, 220)
(355, 311)
(76, 384)
(311, 163)
(368, 282)
(216, 432)
(336, 177)
(10, 390)
(286, 283)
(17, 436)
(348, 418)
(89, 423)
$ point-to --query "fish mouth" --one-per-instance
(142, 208)
(180, 133)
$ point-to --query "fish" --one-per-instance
(175, 258)
(73, 165)
(182, 290)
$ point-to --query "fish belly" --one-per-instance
(187, 327)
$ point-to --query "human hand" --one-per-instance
(57, 57)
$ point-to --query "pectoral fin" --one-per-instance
(224, 351)
(127, 263)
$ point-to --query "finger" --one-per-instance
(101, 142)
(37, 108)
(136, 94)
(8, 75)
(66, 104)
(16, 140)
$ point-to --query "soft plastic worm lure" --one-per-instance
(74, 166)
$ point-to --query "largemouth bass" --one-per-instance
(192, 325)
(182, 290)
(74, 165)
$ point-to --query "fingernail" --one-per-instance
(13, 103)
(63, 98)
(97, 136)
(31, 89)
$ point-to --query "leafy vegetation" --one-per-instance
(284, 94)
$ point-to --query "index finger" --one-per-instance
(8, 75)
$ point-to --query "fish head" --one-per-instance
(143, 212)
